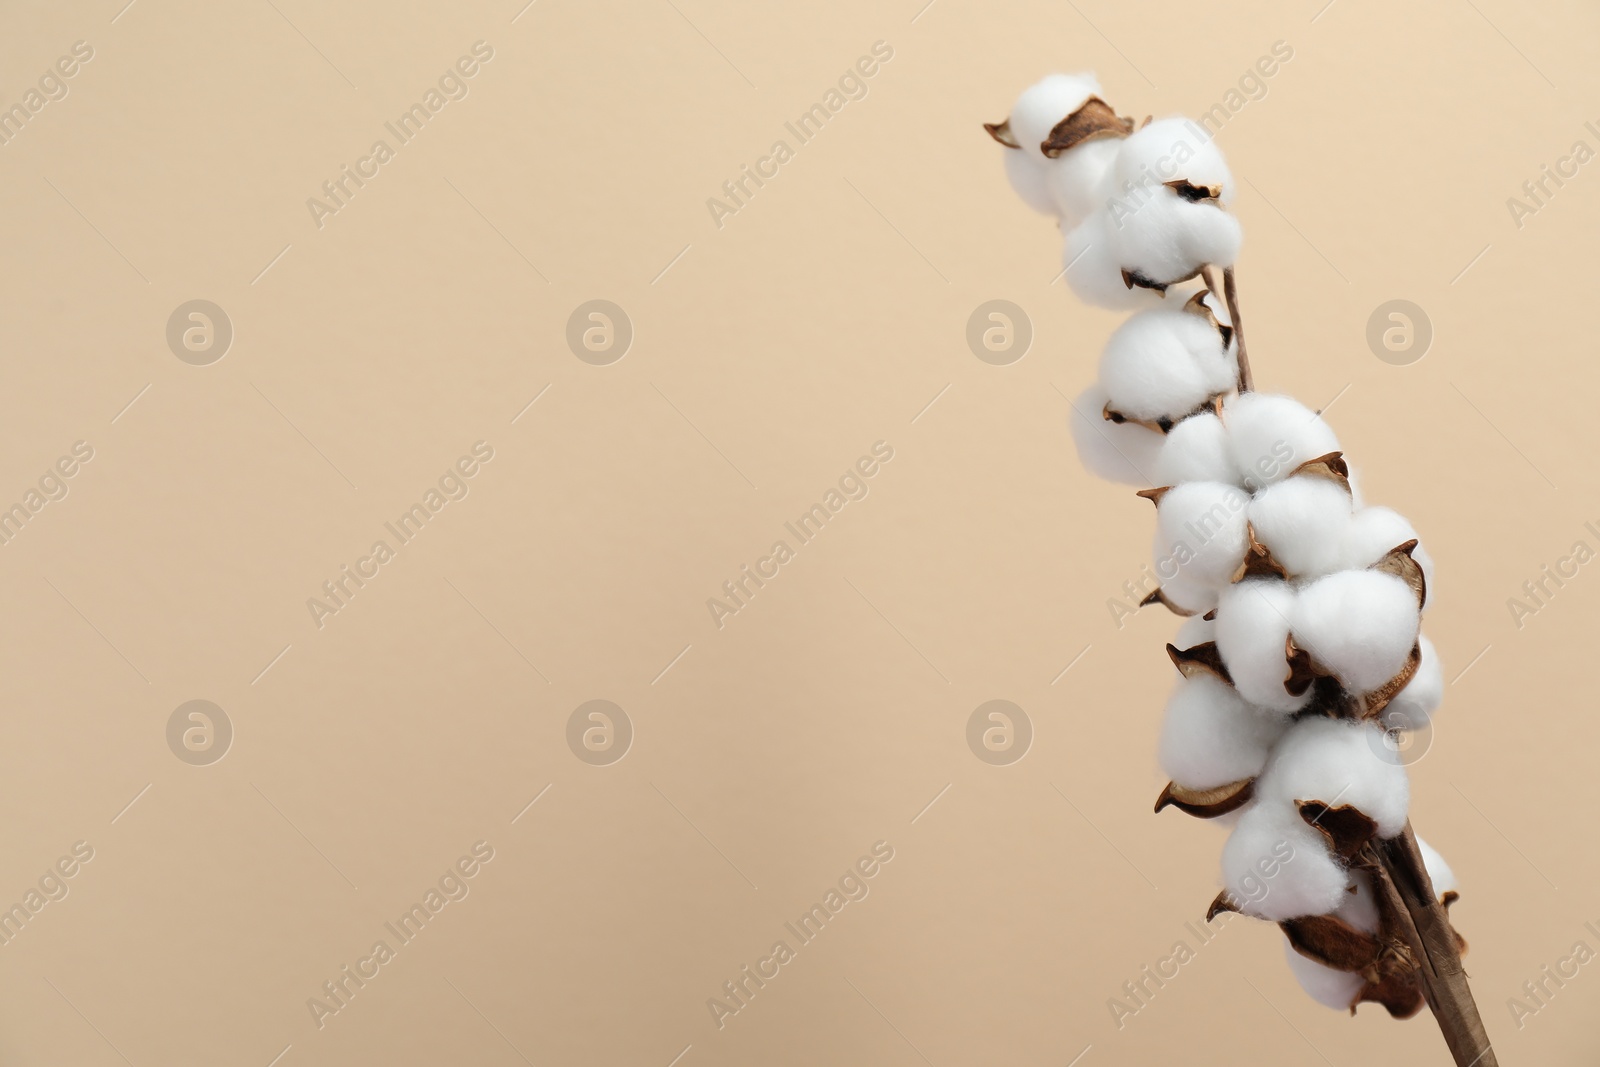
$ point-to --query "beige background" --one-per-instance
(768, 354)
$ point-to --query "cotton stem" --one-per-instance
(1426, 927)
(1231, 290)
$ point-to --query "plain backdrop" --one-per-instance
(374, 346)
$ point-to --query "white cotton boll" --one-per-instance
(1272, 435)
(1376, 531)
(1118, 452)
(1165, 239)
(1172, 149)
(1164, 363)
(1330, 988)
(1093, 271)
(1336, 762)
(1275, 867)
(1161, 233)
(1439, 872)
(1148, 374)
(1210, 736)
(1196, 450)
(1043, 105)
(1030, 181)
(1196, 630)
(1072, 183)
(1252, 630)
(1359, 625)
(1200, 533)
(1412, 708)
(1079, 179)
(1302, 521)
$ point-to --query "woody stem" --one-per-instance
(1426, 927)
(1231, 291)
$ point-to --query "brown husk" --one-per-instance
(1332, 942)
(1001, 131)
(1095, 119)
(1197, 194)
(1331, 466)
(1222, 903)
(1346, 828)
(1399, 563)
(1158, 597)
(1258, 561)
(1201, 659)
(1197, 306)
(1207, 803)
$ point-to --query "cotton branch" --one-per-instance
(1302, 647)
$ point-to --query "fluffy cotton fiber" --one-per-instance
(1360, 908)
(1373, 533)
(1196, 450)
(1094, 272)
(1200, 533)
(1252, 630)
(1302, 521)
(1166, 239)
(1358, 500)
(1196, 630)
(1189, 597)
(1079, 179)
(1439, 872)
(1072, 184)
(1211, 736)
(1336, 762)
(1275, 867)
(1272, 435)
(1030, 181)
(1160, 234)
(1172, 149)
(1412, 708)
(1118, 452)
(1328, 987)
(1360, 625)
(1164, 363)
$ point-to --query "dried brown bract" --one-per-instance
(1094, 119)
(1207, 803)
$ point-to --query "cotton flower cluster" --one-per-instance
(1141, 209)
(1303, 645)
